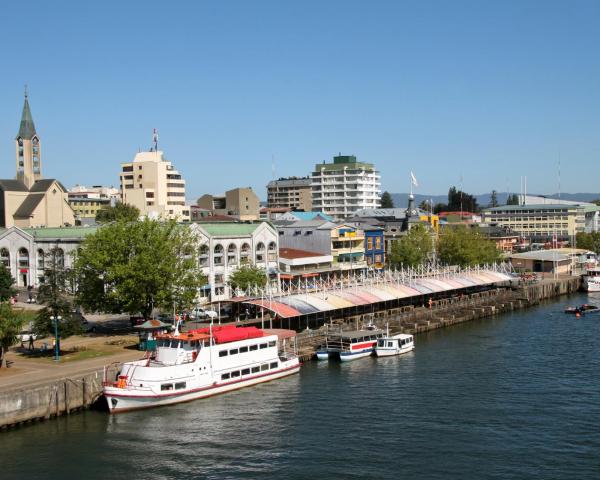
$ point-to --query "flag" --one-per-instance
(413, 179)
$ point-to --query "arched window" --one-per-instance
(232, 254)
(59, 258)
(23, 258)
(5, 257)
(272, 252)
(245, 253)
(203, 255)
(260, 252)
(218, 254)
(41, 261)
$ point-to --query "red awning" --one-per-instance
(306, 275)
(285, 276)
(281, 309)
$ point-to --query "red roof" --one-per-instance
(296, 253)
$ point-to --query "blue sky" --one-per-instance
(487, 90)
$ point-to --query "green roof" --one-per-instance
(27, 128)
(537, 206)
(344, 161)
(64, 232)
(229, 229)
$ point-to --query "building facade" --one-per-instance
(240, 203)
(224, 247)
(86, 202)
(30, 200)
(293, 192)
(345, 186)
(374, 247)
(153, 185)
(545, 222)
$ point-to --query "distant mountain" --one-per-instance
(401, 199)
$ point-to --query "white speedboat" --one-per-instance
(201, 363)
(394, 345)
(591, 280)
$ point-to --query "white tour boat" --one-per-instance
(200, 363)
(349, 345)
(591, 280)
(394, 345)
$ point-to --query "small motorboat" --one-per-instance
(582, 309)
(394, 345)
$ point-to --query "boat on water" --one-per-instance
(582, 309)
(591, 280)
(349, 345)
(394, 345)
(200, 363)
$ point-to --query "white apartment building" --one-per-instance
(153, 185)
(345, 186)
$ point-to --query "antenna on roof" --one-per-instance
(155, 139)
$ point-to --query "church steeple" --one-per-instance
(29, 160)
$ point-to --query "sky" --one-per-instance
(479, 90)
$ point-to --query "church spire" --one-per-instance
(27, 128)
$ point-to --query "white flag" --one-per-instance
(413, 179)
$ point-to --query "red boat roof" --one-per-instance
(222, 333)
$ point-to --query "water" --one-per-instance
(512, 397)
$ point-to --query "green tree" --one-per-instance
(248, 276)
(10, 326)
(133, 267)
(466, 247)
(386, 200)
(6, 284)
(412, 249)
(55, 293)
(589, 241)
(494, 199)
(596, 202)
(512, 199)
(120, 212)
(461, 201)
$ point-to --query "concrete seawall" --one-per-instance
(51, 399)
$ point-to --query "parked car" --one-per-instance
(199, 313)
(25, 335)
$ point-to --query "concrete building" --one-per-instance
(240, 203)
(30, 200)
(345, 243)
(224, 247)
(299, 265)
(23, 250)
(543, 222)
(153, 185)
(87, 201)
(345, 186)
(293, 192)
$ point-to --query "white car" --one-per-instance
(24, 336)
(202, 313)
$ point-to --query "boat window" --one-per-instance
(263, 345)
(243, 349)
(380, 343)
(235, 374)
(273, 365)
(233, 351)
(246, 371)
(255, 369)
(166, 386)
(179, 385)
(225, 376)
(272, 343)
(264, 366)
(223, 353)
(354, 340)
(253, 347)
(390, 344)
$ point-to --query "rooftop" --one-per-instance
(229, 229)
(292, 253)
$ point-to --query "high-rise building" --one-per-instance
(30, 200)
(345, 186)
(153, 185)
(292, 192)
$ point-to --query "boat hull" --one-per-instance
(349, 356)
(389, 352)
(123, 400)
(322, 355)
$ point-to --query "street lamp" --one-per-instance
(55, 320)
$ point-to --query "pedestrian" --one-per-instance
(31, 341)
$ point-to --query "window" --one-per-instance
(246, 371)
(263, 345)
(223, 353)
(264, 366)
(166, 386)
(5, 257)
(233, 351)
(231, 254)
(273, 365)
(179, 385)
(255, 369)
(225, 376)
(235, 374)
(23, 258)
(243, 349)
(260, 252)
(218, 254)
(253, 347)
(272, 343)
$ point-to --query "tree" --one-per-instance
(120, 212)
(134, 267)
(10, 326)
(55, 293)
(466, 246)
(386, 200)
(6, 284)
(596, 202)
(494, 199)
(412, 249)
(461, 201)
(589, 241)
(248, 276)
(512, 199)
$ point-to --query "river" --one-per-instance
(511, 397)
